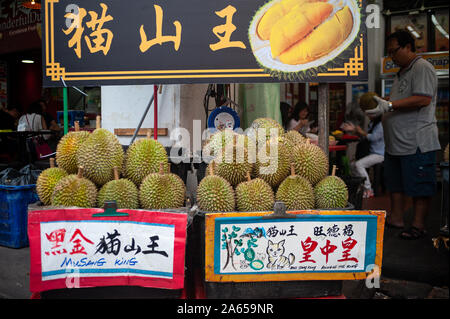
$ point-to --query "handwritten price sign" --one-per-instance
(308, 246)
(142, 249)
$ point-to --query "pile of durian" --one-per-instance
(93, 168)
(236, 182)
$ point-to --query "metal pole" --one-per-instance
(323, 117)
(66, 112)
(142, 120)
(155, 112)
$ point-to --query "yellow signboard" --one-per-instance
(301, 245)
(438, 59)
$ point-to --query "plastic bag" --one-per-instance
(27, 175)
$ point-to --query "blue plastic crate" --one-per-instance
(72, 117)
(14, 202)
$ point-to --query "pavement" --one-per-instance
(411, 269)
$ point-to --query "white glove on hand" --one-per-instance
(382, 107)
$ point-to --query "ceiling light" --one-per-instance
(27, 61)
(32, 4)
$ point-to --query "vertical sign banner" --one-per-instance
(111, 42)
(71, 249)
(326, 245)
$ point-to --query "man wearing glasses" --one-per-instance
(410, 134)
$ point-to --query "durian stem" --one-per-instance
(334, 170)
(116, 173)
(80, 171)
(52, 162)
(248, 177)
(77, 126)
(149, 133)
(292, 169)
(98, 123)
(211, 168)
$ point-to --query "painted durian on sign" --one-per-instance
(293, 36)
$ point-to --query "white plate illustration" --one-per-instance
(262, 52)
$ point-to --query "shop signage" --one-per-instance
(20, 27)
(309, 245)
(197, 41)
(438, 59)
(70, 248)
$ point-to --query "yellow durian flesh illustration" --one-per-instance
(298, 23)
(325, 38)
(274, 14)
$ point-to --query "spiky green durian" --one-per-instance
(254, 195)
(144, 157)
(66, 151)
(215, 193)
(331, 192)
(47, 181)
(233, 164)
(310, 162)
(268, 126)
(295, 137)
(75, 190)
(162, 190)
(273, 166)
(99, 154)
(220, 139)
(296, 192)
(121, 190)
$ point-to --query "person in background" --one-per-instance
(375, 138)
(49, 120)
(410, 135)
(9, 117)
(299, 119)
(32, 120)
(8, 123)
(286, 110)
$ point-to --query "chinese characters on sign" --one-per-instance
(292, 246)
(106, 42)
(100, 38)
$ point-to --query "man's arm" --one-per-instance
(411, 102)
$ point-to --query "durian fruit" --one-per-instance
(274, 14)
(310, 162)
(233, 164)
(99, 154)
(331, 192)
(294, 137)
(144, 157)
(267, 125)
(66, 151)
(324, 39)
(220, 139)
(367, 102)
(75, 190)
(121, 190)
(254, 195)
(47, 181)
(273, 168)
(215, 193)
(298, 23)
(162, 190)
(296, 192)
(446, 154)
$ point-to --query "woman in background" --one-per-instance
(299, 119)
(374, 136)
